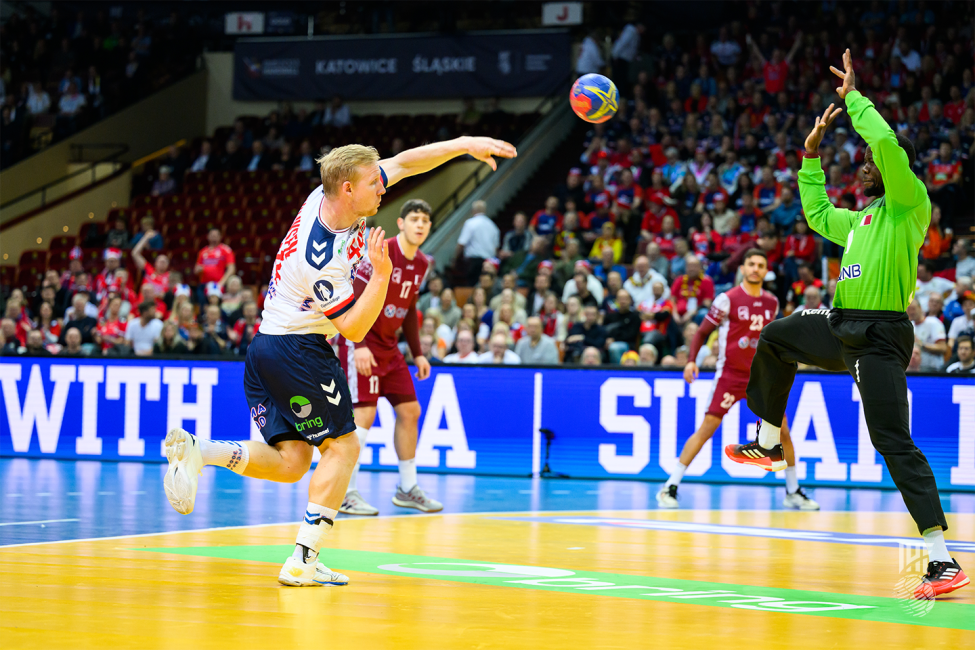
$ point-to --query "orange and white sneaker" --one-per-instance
(941, 578)
(771, 460)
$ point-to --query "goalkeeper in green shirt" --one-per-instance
(867, 333)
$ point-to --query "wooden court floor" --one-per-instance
(595, 579)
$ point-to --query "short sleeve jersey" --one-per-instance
(311, 281)
(214, 261)
(740, 319)
(404, 286)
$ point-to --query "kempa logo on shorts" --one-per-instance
(300, 406)
(810, 312)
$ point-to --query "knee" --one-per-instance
(408, 411)
(295, 467)
(345, 449)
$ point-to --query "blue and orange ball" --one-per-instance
(594, 98)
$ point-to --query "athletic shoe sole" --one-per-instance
(181, 478)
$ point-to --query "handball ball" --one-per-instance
(594, 98)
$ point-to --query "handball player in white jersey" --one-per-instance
(298, 395)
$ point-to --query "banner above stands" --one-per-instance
(608, 423)
(508, 64)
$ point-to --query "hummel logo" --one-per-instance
(329, 390)
(319, 245)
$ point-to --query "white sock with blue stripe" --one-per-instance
(225, 453)
(314, 528)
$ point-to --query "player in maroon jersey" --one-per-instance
(376, 367)
(739, 315)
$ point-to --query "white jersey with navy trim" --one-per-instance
(311, 281)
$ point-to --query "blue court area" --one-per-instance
(53, 500)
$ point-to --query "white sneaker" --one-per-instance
(185, 467)
(416, 498)
(800, 501)
(667, 497)
(296, 573)
(354, 504)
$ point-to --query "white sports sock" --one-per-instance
(791, 480)
(363, 434)
(225, 453)
(934, 540)
(312, 532)
(768, 435)
(407, 474)
(676, 475)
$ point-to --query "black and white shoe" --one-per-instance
(667, 497)
(800, 501)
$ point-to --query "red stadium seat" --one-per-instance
(228, 200)
(8, 275)
(260, 215)
(173, 229)
(230, 215)
(252, 272)
(92, 257)
(256, 201)
(233, 226)
(197, 201)
(144, 201)
(242, 243)
(183, 260)
(33, 257)
(172, 201)
(178, 214)
(269, 228)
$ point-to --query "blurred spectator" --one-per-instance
(141, 333)
(259, 160)
(590, 57)
(692, 292)
(565, 268)
(169, 341)
(465, 349)
(586, 287)
(964, 323)
(547, 221)
(776, 71)
(517, 239)
(648, 355)
(47, 324)
(153, 239)
(214, 263)
(535, 301)
(928, 282)
(788, 210)
(449, 311)
(118, 235)
(929, 334)
(964, 262)
(725, 49)
(469, 115)
(156, 272)
(428, 349)
(337, 114)
(797, 291)
(110, 332)
(587, 333)
(110, 278)
(943, 178)
(630, 358)
(35, 345)
(591, 356)
(937, 240)
(38, 101)
(536, 348)
(70, 105)
(78, 319)
(498, 352)
(936, 305)
(246, 327)
(553, 320)
(608, 239)
(432, 297)
(622, 326)
(478, 241)
(608, 264)
(966, 358)
(232, 159)
(625, 50)
(640, 284)
(204, 161)
(72, 343)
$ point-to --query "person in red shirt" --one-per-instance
(776, 71)
(111, 330)
(214, 263)
(243, 331)
(658, 190)
(653, 219)
(956, 107)
(801, 245)
(758, 111)
(704, 239)
(797, 290)
(943, 179)
(666, 240)
(155, 273)
(107, 279)
(376, 367)
(735, 238)
(692, 292)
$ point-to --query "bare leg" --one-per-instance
(331, 478)
(285, 462)
(406, 431)
(701, 436)
(365, 415)
(788, 450)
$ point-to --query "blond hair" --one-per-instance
(342, 164)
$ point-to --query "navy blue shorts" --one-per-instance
(296, 389)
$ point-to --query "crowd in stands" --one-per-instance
(61, 72)
(699, 165)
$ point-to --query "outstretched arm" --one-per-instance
(902, 188)
(137, 257)
(755, 51)
(832, 223)
(795, 48)
(422, 159)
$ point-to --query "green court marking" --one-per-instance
(939, 614)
